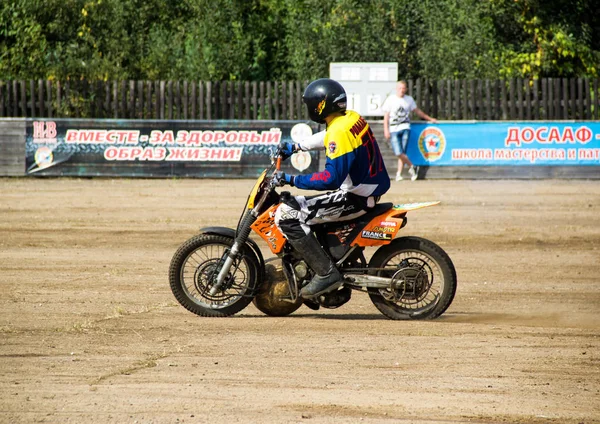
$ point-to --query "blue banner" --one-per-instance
(505, 143)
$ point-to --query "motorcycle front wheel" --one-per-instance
(193, 271)
(423, 279)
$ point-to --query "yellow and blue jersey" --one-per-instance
(354, 163)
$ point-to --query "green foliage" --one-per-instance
(291, 39)
(558, 39)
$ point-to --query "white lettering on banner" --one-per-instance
(589, 154)
(530, 155)
(547, 135)
(44, 132)
(472, 154)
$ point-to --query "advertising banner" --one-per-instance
(145, 148)
(505, 143)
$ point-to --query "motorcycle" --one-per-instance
(220, 271)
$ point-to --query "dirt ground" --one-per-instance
(90, 332)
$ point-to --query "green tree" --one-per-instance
(553, 38)
(291, 39)
(456, 39)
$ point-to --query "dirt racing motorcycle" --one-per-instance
(218, 272)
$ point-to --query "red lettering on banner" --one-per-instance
(86, 136)
(111, 153)
(176, 153)
(219, 136)
(168, 137)
(583, 135)
(547, 135)
(232, 154)
(102, 136)
(148, 154)
(192, 154)
(539, 137)
(254, 137)
(272, 137)
(123, 154)
(568, 135)
(182, 137)
(207, 137)
(321, 176)
(554, 135)
(205, 154)
(134, 153)
(512, 137)
(231, 137)
(160, 153)
(71, 136)
(156, 137)
(527, 134)
(244, 137)
(159, 137)
(194, 138)
(188, 137)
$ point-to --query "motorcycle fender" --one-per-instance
(381, 230)
(230, 232)
(393, 242)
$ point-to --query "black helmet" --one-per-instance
(324, 97)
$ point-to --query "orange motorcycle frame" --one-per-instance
(379, 231)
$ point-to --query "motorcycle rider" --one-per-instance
(354, 177)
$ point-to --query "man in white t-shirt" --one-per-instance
(396, 125)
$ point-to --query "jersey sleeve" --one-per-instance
(314, 142)
(337, 168)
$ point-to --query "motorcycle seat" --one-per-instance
(372, 213)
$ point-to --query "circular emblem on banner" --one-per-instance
(43, 157)
(432, 143)
(300, 132)
(301, 160)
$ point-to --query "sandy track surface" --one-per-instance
(90, 332)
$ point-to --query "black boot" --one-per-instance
(327, 276)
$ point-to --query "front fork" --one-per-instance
(233, 254)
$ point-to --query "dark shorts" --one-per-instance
(399, 141)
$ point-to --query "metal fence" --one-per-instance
(512, 99)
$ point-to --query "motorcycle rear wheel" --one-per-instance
(194, 268)
(424, 279)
